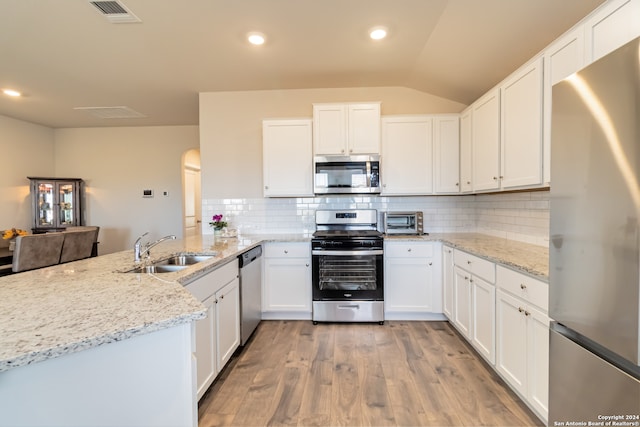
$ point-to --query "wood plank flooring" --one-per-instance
(292, 373)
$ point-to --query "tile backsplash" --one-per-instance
(522, 216)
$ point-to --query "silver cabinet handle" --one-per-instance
(523, 286)
(286, 251)
(409, 250)
(526, 313)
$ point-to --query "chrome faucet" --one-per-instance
(138, 252)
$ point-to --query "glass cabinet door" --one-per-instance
(45, 204)
(56, 203)
(66, 195)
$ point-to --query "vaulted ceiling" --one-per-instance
(65, 54)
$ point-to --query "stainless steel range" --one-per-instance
(347, 259)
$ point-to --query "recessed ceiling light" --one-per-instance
(256, 38)
(378, 33)
(11, 92)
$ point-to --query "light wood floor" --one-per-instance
(397, 374)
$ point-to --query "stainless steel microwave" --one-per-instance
(403, 223)
(347, 174)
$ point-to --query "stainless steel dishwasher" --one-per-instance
(250, 292)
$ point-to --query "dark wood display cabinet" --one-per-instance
(57, 203)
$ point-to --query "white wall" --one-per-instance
(117, 164)
(231, 128)
(26, 150)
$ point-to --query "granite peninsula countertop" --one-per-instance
(71, 307)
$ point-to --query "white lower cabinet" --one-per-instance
(412, 284)
(523, 337)
(287, 281)
(227, 322)
(217, 335)
(474, 302)
(448, 281)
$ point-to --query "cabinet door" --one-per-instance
(206, 354)
(364, 128)
(484, 314)
(466, 153)
(407, 144)
(287, 158)
(447, 154)
(521, 140)
(561, 59)
(227, 321)
(612, 26)
(462, 301)
(448, 281)
(511, 341)
(486, 142)
(287, 285)
(330, 129)
(408, 285)
(538, 360)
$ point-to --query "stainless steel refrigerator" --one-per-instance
(594, 273)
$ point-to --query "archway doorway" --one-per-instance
(191, 192)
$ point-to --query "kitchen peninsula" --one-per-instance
(86, 338)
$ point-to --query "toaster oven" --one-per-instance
(403, 223)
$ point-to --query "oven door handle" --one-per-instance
(348, 253)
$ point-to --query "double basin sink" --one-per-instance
(172, 264)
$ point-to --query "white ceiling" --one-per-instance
(65, 54)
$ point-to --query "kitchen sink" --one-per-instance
(180, 260)
(172, 264)
(160, 268)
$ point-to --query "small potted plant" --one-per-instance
(218, 224)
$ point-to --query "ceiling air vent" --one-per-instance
(112, 112)
(115, 12)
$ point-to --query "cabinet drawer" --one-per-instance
(207, 285)
(287, 250)
(408, 250)
(529, 289)
(475, 265)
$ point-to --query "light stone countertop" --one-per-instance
(71, 307)
(523, 257)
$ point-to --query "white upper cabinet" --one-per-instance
(446, 139)
(485, 136)
(466, 153)
(287, 158)
(562, 58)
(611, 26)
(521, 127)
(407, 155)
(345, 129)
